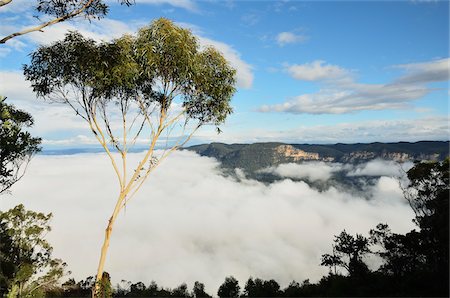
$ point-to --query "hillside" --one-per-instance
(252, 157)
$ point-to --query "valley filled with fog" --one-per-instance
(191, 221)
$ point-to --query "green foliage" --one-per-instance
(428, 193)
(161, 64)
(105, 289)
(17, 146)
(60, 8)
(27, 267)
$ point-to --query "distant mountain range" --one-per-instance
(252, 157)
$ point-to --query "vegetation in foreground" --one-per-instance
(414, 264)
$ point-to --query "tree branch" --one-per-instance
(164, 156)
(46, 24)
(4, 2)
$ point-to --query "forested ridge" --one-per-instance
(252, 157)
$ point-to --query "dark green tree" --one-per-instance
(181, 291)
(30, 268)
(348, 252)
(7, 252)
(402, 254)
(17, 146)
(199, 290)
(138, 289)
(229, 288)
(421, 256)
(261, 288)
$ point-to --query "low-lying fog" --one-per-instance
(190, 222)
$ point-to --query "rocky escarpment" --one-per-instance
(288, 152)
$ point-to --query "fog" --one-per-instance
(323, 171)
(190, 222)
(313, 171)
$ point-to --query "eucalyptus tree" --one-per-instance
(156, 87)
(26, 264)
(62, 10)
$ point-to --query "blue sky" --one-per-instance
(308, 72)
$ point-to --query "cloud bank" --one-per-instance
(189, 222)
(316, 70)
(341, 94)
(313, 171)
(410, 130)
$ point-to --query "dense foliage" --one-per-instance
(17, 146)
(160, 65)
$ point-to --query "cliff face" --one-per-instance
(288, 152)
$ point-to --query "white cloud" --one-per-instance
(425, 72)
(186, 4)
(101, 30)
(75, 141)
(15, 87)
(284, 38)
(53, 117)
(244, 71)
(380, 167)
(47, 117)
(316, 71)
(244, 74)
(4, 52)
(409, 130)
(342, 101)
(313, 171)
(341, 94)
(17, 6)
(190, 223)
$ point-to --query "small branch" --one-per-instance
(105, 147)
(164, 156)
(49, 23)
(4, 2)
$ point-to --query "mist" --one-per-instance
(190, 222)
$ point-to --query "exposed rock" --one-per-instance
(288, 152)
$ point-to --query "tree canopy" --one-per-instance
(17, 146)
(230, 288)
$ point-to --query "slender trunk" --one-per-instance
(105, 246)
